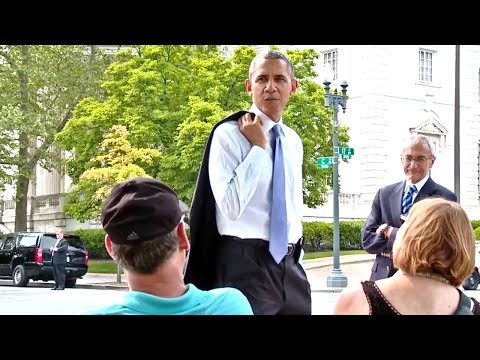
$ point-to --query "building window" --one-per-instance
(330, 57)
(425, 65)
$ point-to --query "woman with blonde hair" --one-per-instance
(434, 252)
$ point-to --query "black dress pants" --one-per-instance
(59, 275)
(271, 288)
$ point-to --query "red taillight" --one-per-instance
(86, 257)
(38, 255)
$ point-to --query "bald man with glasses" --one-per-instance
(393, 202)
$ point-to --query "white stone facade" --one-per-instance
(387, 104)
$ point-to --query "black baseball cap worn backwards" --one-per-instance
(139, 209)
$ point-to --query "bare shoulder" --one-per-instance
(352, 301)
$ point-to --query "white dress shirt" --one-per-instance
(54, 248)
(241, 181)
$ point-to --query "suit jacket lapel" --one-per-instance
(425, 191)
(396, 201)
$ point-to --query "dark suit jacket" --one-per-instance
(60, 256)
(387, 208)
(204, 236)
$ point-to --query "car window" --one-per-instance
(2, 241)
(27, 240)
(9, 242)
(48, 241)
(75, 241)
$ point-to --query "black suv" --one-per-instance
(27, 255)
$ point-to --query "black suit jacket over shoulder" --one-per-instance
(204, 236)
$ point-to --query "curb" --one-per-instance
(99, 286)
(309, 264)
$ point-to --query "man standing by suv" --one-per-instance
(59, 260)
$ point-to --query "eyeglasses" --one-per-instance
(407, 159)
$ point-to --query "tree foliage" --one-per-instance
(39, 87)
(170, 97)
(118, 161)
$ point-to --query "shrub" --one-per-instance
(318, 236)
(94, 240)
(350, 235)
(477, 233)
(475, 224)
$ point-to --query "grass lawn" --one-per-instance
(324, 254)
(102, 266)
(109, 267)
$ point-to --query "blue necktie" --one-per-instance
(407, 200)
(278, 220)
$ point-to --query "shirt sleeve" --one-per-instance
(234, 169)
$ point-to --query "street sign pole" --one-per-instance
(336, 277)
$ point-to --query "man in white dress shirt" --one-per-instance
(59, 260)
(237, 172)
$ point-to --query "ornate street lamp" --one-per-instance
(336, 277)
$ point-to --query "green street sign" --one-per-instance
(324, 162)
(345, 152)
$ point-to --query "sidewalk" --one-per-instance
(110, 281)
(345, 259)
(354, 267)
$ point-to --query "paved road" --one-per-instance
(323, 297)
(97, 290)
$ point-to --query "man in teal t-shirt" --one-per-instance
(146, 235)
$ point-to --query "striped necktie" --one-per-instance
(407, 200)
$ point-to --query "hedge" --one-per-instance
(94, 240)
(318, 236)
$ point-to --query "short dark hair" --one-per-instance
(272, 54)
(144, 257)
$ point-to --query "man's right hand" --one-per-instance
(251, 128)
(381, 229)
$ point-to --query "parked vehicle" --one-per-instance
(471, 283)
(26, 256)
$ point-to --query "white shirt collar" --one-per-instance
(267, 122)
(418, 185)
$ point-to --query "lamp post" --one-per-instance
(456, 131)
(336, 277)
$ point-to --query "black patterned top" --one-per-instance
(379, 305)
(377, 302)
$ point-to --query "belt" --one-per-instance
(263, 243)
(290, 249)
(386, 254)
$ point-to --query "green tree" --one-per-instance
(119, 162)
(39, 87)
(170, 97)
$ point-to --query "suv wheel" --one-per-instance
(70, 283)
(19, 276)
(471, 283)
